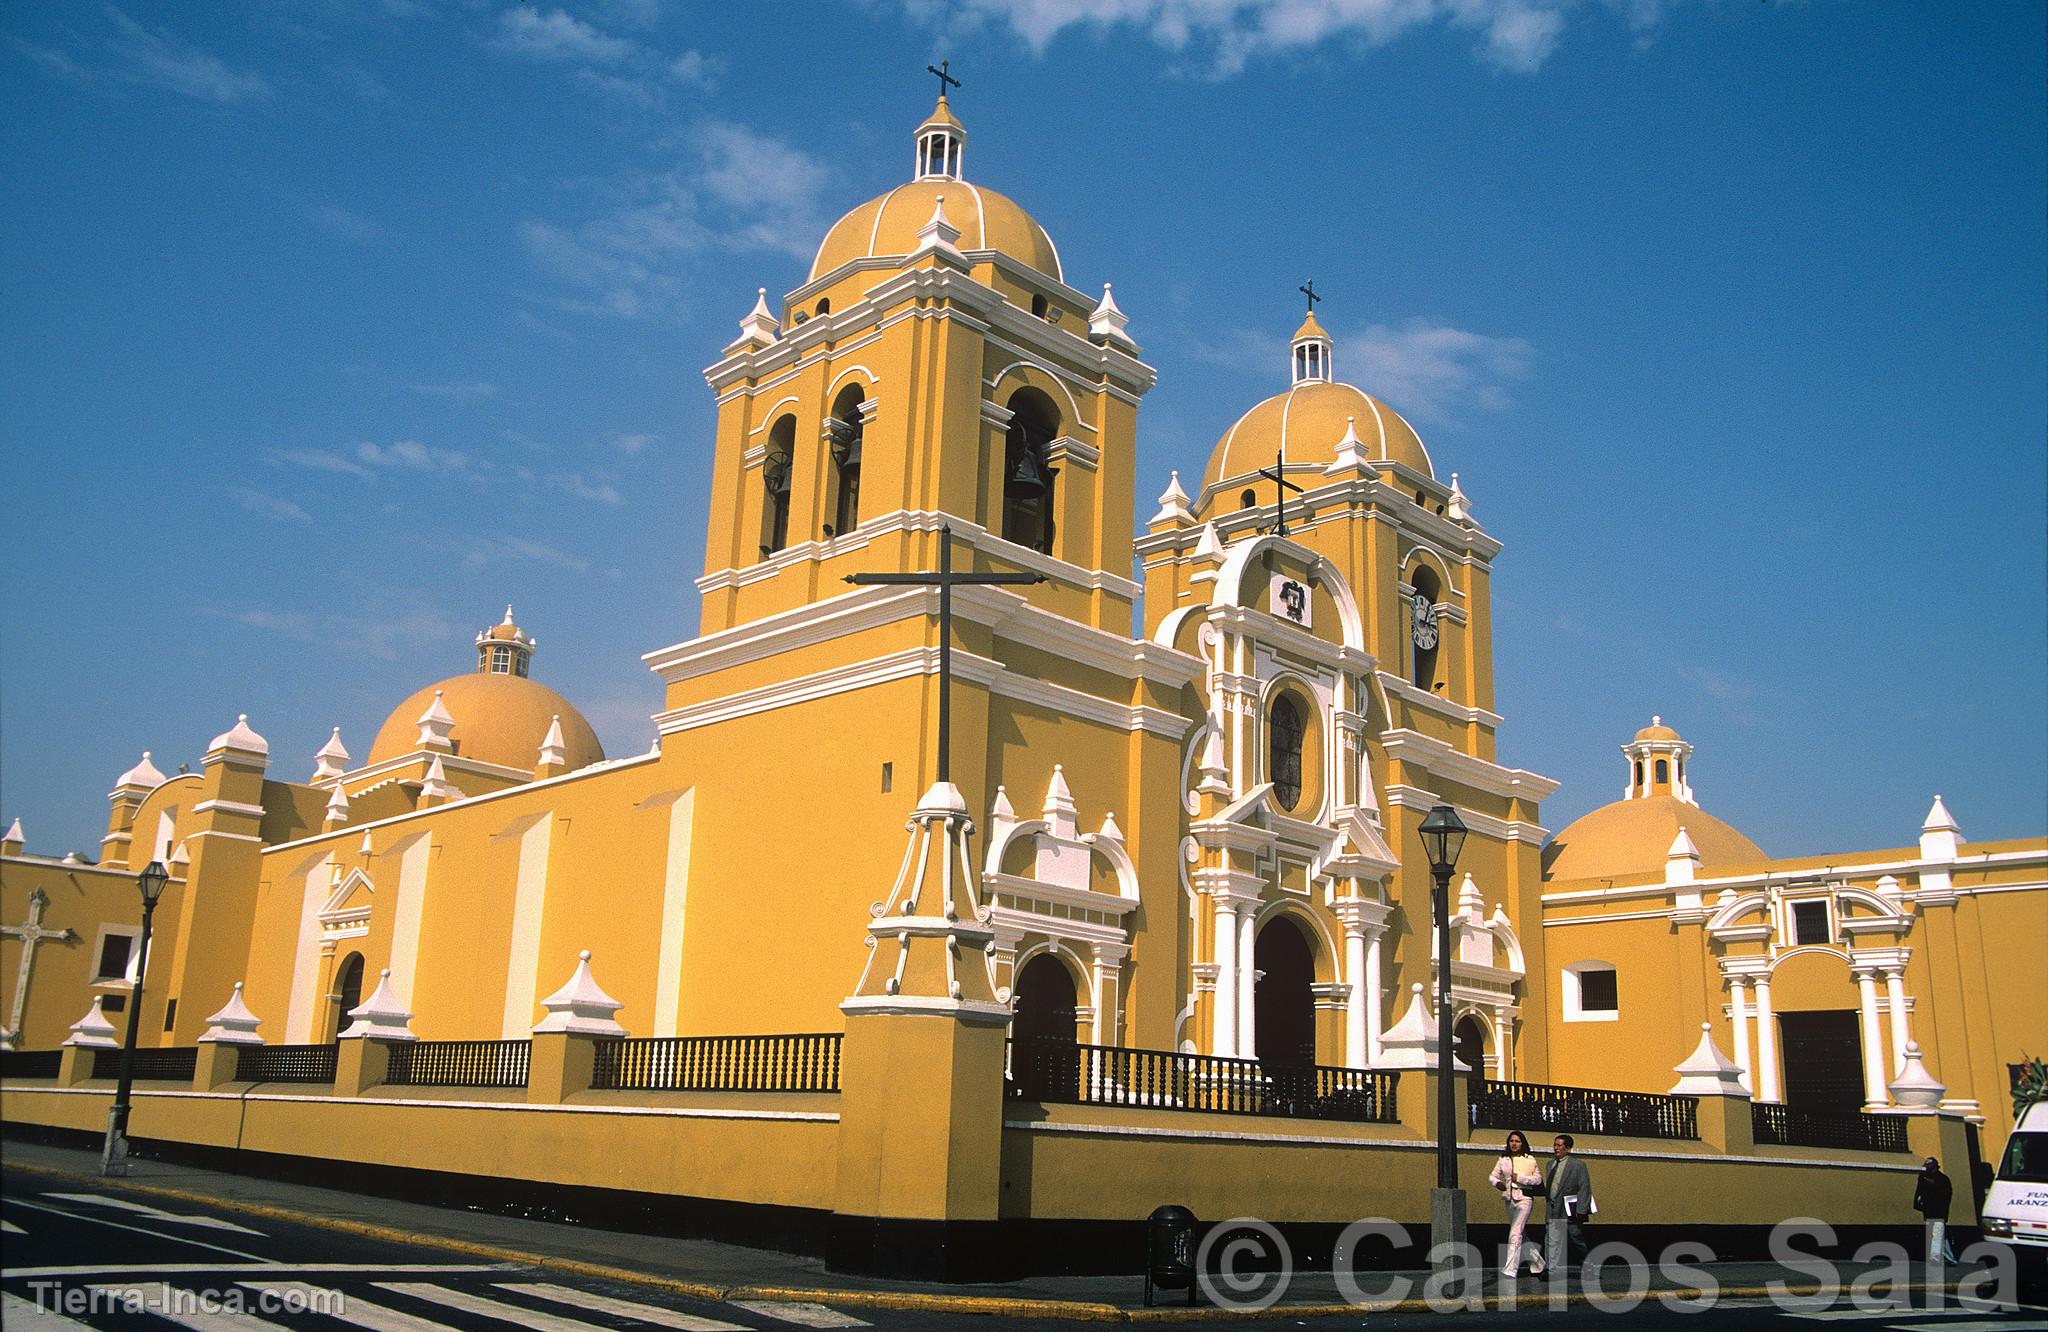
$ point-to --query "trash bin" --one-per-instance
(1170, 1251)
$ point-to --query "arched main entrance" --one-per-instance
(348, 990)
(1044, 1063)
(1284, 1009)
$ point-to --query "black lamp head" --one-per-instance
(1443, 836)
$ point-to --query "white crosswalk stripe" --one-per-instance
(174, 1310)
(158, 1213)
(20, 1315)
(803, 1315)
(10, 1228)
(477, 1304)
(346, 1308)
(646, 1313)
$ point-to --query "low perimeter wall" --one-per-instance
(1075, 1181)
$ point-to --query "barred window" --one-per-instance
(1286, 730)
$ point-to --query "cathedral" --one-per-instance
(1186, 760)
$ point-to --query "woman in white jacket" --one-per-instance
(1519, 1180)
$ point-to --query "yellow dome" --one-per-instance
(498, 719)
(1310, 329)
(1634, 836)
(888, 226)
(1309, 419)
(1657, 730)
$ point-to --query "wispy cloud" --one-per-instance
(739, 190)
(557, 35)
(270, 506)
(147, 57)
(1733, 693)
(339, 221)
(694, 69)
(633, 443)
(485, 552)
(587, 488)
(1220, 37)
(1423, 369)
(390, 625)
(460, 392)
(157, 58)
(368, 459)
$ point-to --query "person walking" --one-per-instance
(1519, 1181)
(1932, 1193)
(1568, 1201)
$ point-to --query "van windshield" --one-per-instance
(2026, 1159)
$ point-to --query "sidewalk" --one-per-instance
(710, 1270)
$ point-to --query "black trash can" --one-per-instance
(1170, 1251)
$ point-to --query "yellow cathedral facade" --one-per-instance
(1193, 758)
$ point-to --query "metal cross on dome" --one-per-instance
(945, 78)
(1308, 289)
(1277, 474)
(945, 580)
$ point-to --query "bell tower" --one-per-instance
(934, 369)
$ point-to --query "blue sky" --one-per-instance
(331, 327)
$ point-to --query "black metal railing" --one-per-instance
(21, 1065)
(286, 1063)
(804, 1062)
(1775, 1125)
(163, 1063)
(1536, 1108)
(1067, 1073)
(459, 1064)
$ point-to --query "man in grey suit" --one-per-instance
(1568, 1201)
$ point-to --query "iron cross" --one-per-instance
(945, 580)
(30, 934)
(1308, 289)
(1281, 485)
(945, 79)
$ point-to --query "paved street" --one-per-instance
(83, 1254)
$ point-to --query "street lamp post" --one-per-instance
(1443, 836)
(114, 1155)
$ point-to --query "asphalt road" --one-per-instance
(76, 1256)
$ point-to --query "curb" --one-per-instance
(909, 1300)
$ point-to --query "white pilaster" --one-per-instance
(1357, 1051)
(1224, 1039)
(1895, 999)
(529, 902)
(675, 894)
(1375, 1015)
(1247, 987)
(1766, 1043)
(1738, 1012)
(1873, 1039)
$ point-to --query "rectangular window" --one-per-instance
(170, 1015)
(1810, 923)
(1597, 992)
(114, 951)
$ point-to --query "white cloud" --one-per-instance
(693, 69)
(163, 61)
(744, 191)
(633, 443)
(367, 459)
(394, 624)
(319, 460)
(1223, 36)
(1424, 370)
(458, 392)
(487, 551)
(341, 222)
(270, 506)
(556, 35)
(596, 491)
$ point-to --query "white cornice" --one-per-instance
(1443, 707)
(1439, 759)
(1506, 830)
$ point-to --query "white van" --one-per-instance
(2016, 1209)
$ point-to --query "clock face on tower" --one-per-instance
(1424, 618)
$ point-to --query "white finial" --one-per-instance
(337, 805)
(180, 857)
(142, 777)
(1708, 1072)
(1173, 505)
(437, 785)
(553, 750)
(1940, 837)
(1459, 510)
(1109, 831)
(436, 724)
(937, 236)
(1209, 546)
(93, 1031)
(1915, 1088)
(331, 760)
(1003, 811)
(760, 328)
(14, 835)
(1059, 807)
(581, 1006)
(234, 1024)
(1351, 456)
(1108, 323)
(508, 605)
(380, 1017)
(241, 739)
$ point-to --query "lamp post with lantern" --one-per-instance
(1443, 836)
(114, 1155)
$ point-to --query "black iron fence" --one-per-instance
(804, 1062)
(1067, 1073)
(1536, 1109)
(286, 1063)
(21, 1065)
(162, 1063)
(1775, 1125)
(459, 1064)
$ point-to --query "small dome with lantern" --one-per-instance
(1634, 835)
